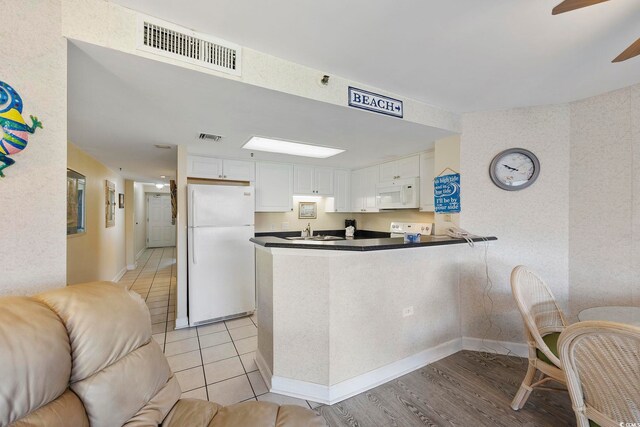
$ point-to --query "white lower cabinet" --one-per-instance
(363, 189)
(274, 187)
(427, 174)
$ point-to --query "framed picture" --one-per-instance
(121, 201)
(110, 204)
(307, 210)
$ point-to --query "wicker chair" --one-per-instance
(543, 321)
(602, 363)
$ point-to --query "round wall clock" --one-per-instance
(514, 169)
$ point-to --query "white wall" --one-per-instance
(532, 225)
(33, 193)
(99, 253)
(604, 239)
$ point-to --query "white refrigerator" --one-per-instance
(221, 270)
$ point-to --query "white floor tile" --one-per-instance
(184, 361)
(249, 361)
(230, 391)
(199, 393)
(218, 352)
(214, 339)
(236, 323)
(222, 370)
(247, 345)
(212, 328)
(181, 334)
(182, 346)
(243, 332)
(259, 387)
(191, 379)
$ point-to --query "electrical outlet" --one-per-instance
(407, 311)
(285, 226)
(447, 217)
(273, 227)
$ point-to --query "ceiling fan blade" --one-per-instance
(569, 5)
(630, 52)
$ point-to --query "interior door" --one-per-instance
(160, 231)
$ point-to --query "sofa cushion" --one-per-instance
(266, 414)
(35, 359)
(65, 411)
(105, 322)
(191, 412)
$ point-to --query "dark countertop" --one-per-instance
(364, 241)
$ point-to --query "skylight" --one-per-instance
(293, 148)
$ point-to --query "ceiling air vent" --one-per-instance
(172, 41)
(210, 137)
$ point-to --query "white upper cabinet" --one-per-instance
(408, 167)
(310, 180)
(427, 174)
(363, 189)
(212, 168)
(342, 190)
(274, 187)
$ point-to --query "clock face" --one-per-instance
(514, 169)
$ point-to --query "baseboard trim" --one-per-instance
(132, 266)
(182, 322)
(264, 370)
(119, 275)
(140, 253)
(345, 389)
(493, 346)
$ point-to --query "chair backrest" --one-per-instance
(601, 361)
(538, 307)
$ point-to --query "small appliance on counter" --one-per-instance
(410, 231)
(349, 227)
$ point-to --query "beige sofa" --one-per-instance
(83, 355)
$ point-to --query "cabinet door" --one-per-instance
(204, 167)
(323, 180)
(303, 180)
(238, 170)
(408, 167)
(426, 182)
(341, 190)
(357, 195)
(274, 187)
(388, 171)
(371, 179)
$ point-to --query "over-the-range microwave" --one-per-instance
(398, 194)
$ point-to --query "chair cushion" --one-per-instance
(551, 340)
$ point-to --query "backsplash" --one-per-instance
(273, 221)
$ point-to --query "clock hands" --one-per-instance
(510, 168)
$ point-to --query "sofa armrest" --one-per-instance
(266, 414)
(191, 412)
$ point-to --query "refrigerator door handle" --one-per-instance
(193, 245)
(193, 208)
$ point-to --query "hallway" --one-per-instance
(212, 362)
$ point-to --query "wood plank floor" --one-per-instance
(464, 389)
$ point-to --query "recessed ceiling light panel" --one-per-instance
(258, 143)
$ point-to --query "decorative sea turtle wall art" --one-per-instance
(15, 131)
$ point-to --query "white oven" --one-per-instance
(398, 194)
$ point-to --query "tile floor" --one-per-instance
(214, 362)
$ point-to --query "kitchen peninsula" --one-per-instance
(338, 317)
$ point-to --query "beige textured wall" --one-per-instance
(140, 215)
(98, 254)
(33, 193)
(604, 239)
(532, 225)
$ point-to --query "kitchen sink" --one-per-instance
(316, 238)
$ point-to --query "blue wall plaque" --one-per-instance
(370, 101)
(446, 193)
